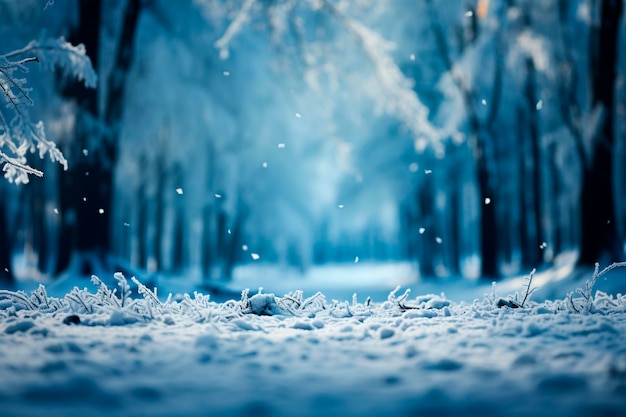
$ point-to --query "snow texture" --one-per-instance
(108, 353)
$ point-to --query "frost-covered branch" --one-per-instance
(18, 135)
(401, 100)
(72, 60)
(146, 292)
(528, 288)
(587, 301)
(513, 302)
(234, 28)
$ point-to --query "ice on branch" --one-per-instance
(18, 135)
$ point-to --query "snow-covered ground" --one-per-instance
(95, 353)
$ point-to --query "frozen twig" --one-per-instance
(528, 287)
(587, 300)
(146, 292)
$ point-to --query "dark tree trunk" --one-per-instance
(456, 248)
(142, 220)
(556, 213)
(207, 242)
(426, 239)
(72, 183)
(454, 217)
(87, 188)
(178, 255)
(536, 246)
(485, 161)
(39, 227)
(525, 234)
(208, 256)
(178, 244)
(599, 234)
(6, 274)
(531, 157)
(488, 224)
(233, 243)
(159, 215)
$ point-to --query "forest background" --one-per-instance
(477, 138)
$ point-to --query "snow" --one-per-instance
(96, 353)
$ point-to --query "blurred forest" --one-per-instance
(479, 138)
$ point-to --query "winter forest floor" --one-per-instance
(95, 353)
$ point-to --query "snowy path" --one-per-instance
(344, 360)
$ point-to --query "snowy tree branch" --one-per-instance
(401, 100)
(21, 136)
(234, 28)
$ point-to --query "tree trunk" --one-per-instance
(6, 274)
(142, 219)
(207, 242)
(531, 156)
(485, 161)
(233, 243)
(557, 215)
(599, 234)
(87, 188)
(159, 215)
(425, 244)
(525, 234)
(537, 246)
(73, 182)
(488, 224)
(178, 235)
